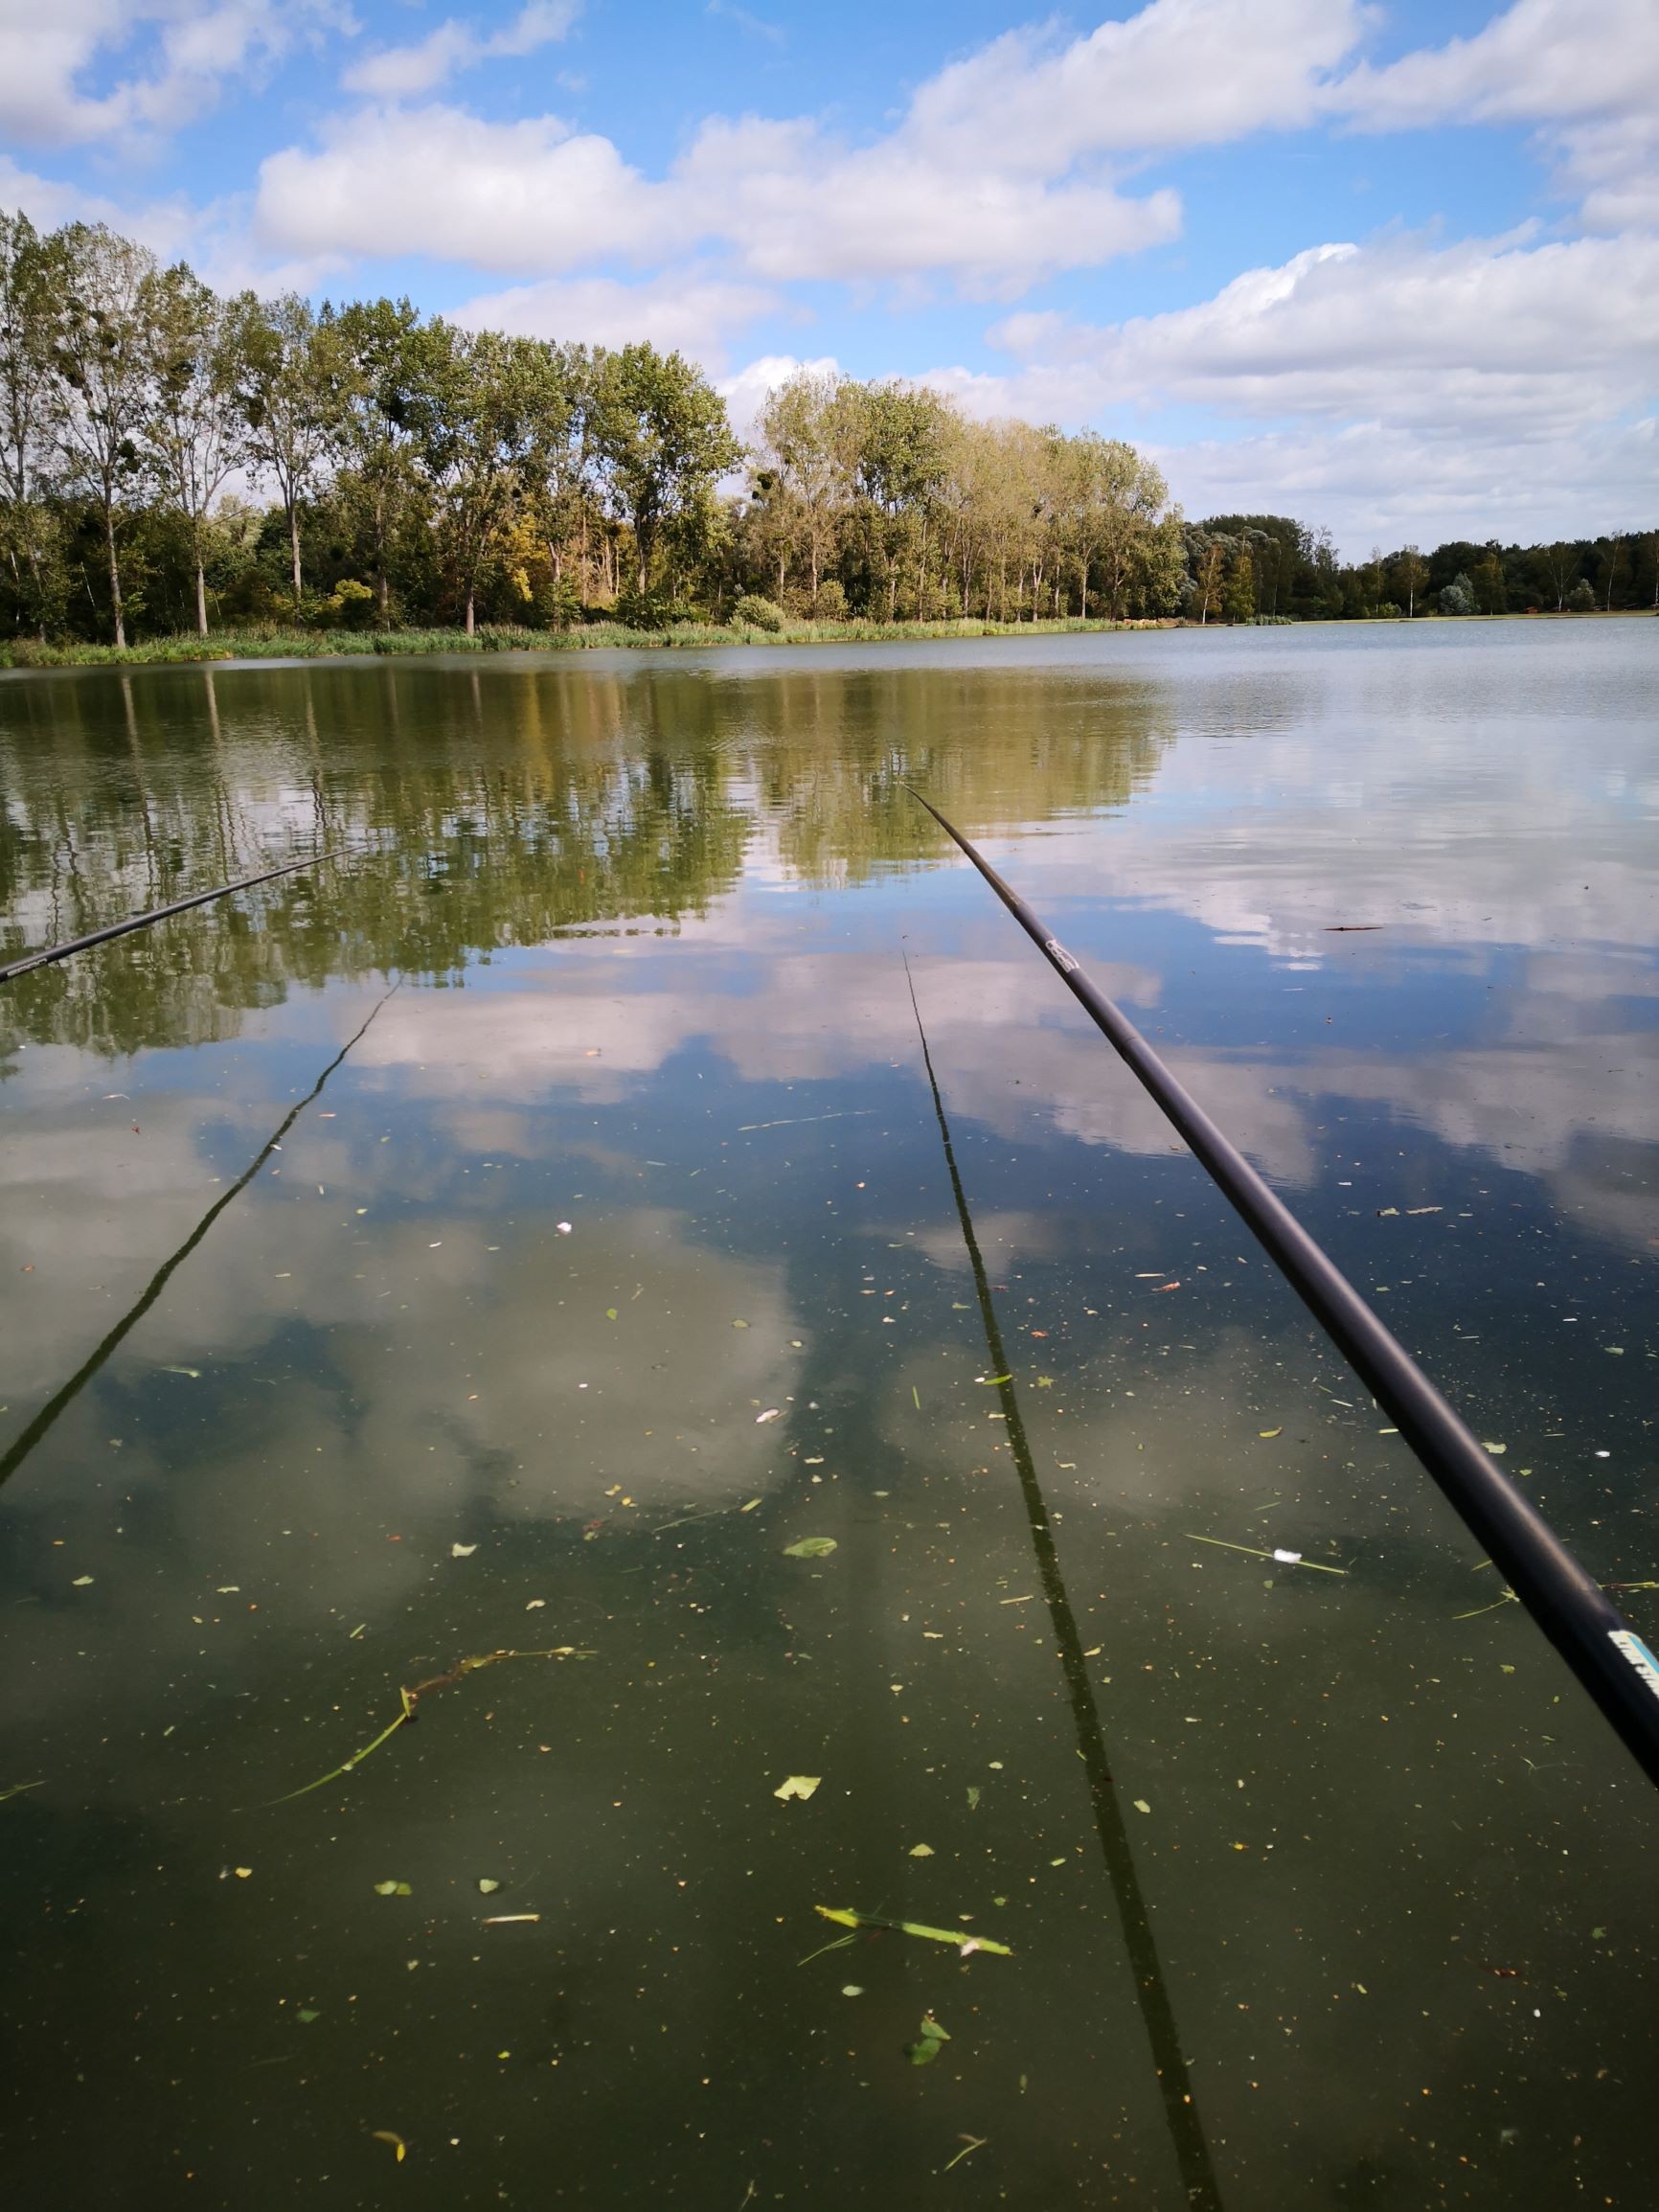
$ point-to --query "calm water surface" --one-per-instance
(519, 1236)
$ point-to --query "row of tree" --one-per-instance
(427, 474)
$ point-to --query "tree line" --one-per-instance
(173, 459)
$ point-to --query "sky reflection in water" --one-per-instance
(645, 917)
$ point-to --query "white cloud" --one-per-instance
(407, 72)
(1538, 62)
(1590, 83)
(747, 392)
(1179, 73)
(183, 53)
(993, 178)
(530, 195)
(684, 310)
(1482, 338)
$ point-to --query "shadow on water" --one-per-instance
(1168, 2060)
(12, 1458)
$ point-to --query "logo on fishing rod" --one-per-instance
(1060, 957)
(1639, 1656)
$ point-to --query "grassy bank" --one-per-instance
(275, 644)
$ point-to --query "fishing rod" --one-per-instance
(1610, 1660)
(54, 952)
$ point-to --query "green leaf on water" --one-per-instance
(1596, 1933)
(306, 2015)
(922, 1851)
(800, 1786)
(930, 2041)
(487, 1888)
(392, 1889)
(973, 1797)
(811, 1547)
(611, 1312)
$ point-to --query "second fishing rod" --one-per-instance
(1610, 1660)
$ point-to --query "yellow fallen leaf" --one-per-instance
(922, 1851)
(243, 1873)
(1270, 1432)
(398, 2146)
(800, 1786)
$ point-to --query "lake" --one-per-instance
(532, 1237)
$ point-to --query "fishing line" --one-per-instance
(54, 952)
(1610, 1660)
(1169, 2060)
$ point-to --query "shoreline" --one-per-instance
(276, 647)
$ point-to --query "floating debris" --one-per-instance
(844, 1917)
(930, 2041)
(812, 1547)
(411, 1697)
(1284, 1558)
(801, 1785)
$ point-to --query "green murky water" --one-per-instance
(521, 1233)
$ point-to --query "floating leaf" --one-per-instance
(1140, 1805)
(973, 1797)
(852, 1989)
(800, 1786)
(750, 1507)
(844, 1917)
(811, 1547)
(462, 1551)
(1270, 1432)
(1497, 1451)
(611, 1312)
(243, 1873)
(82, 1582)
(739, 1324)
(930, 2040)
(921, 1851)
(306, 2014)
(772, 1413)
(392, 1889)
(487, 1888)
(398, 2146)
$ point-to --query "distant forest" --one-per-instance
(172, 460)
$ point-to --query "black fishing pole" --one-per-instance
(1611, 1661)
(156, 914)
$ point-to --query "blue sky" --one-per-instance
(1394, 268)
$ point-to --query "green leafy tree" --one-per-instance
(805, 430)
(479, 414)
(662, 440)
(294, 391)
(102, 357)
(1458, 596)
(1238, 591)
(383, 345)
(194, 435)
(1410, 575)
(32, 283)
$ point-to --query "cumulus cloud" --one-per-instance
(408, 72)
(786, 201)
(998, 175)
(183, 51)
(690, 310)
(1591, 88)
(532, 196)
(1448, 337)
